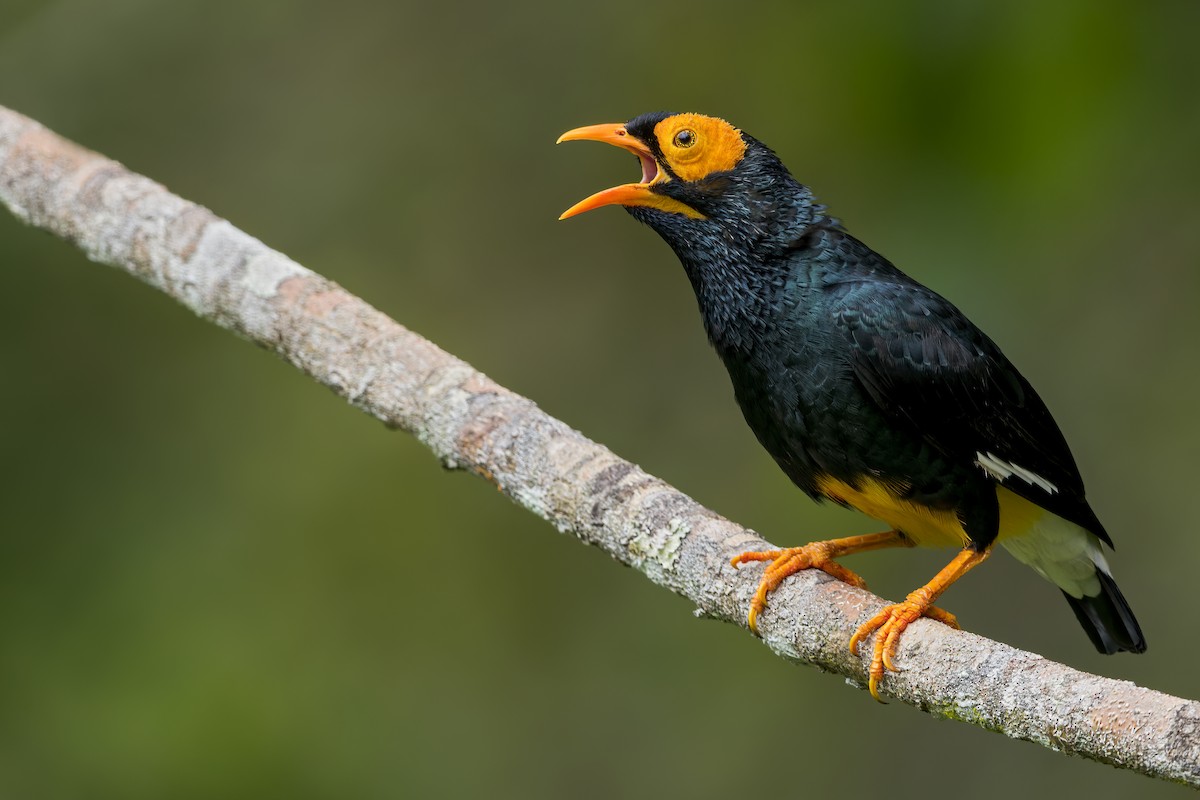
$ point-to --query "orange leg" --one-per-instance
(893, 619)
(816, 555)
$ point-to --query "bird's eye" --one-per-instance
(685, 138)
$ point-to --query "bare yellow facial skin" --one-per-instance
(695, 146)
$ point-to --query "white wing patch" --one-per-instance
(1000, 469)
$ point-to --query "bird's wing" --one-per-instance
(925, 364)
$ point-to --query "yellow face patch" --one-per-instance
(695, 146)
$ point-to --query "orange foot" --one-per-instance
(893, 619)
(818, 555)
(891, 622)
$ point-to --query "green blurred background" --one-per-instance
(218, 580)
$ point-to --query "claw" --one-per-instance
(817, 555)
(893, 619)
(890, 623)
(785, 563)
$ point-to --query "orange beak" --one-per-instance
(628, 194)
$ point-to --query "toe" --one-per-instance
(763, 555)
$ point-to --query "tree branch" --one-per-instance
(224, 275)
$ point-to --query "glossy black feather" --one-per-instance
(846, 368)
(923, 363)
(1108, 619)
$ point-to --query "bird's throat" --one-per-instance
(737, 304)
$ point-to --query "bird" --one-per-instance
(867, 388)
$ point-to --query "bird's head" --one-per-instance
(702, 180)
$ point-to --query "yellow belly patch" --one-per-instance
(1018, 516)
(928, 527)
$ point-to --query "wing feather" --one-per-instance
(925, 364)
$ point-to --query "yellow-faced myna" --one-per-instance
(866, 387)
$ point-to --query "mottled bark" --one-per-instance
(224, 275)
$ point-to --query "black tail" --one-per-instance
(1107, 618)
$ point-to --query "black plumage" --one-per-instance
(851, 373)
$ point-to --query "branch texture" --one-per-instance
(228, 277)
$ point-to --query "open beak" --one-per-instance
(628, 194)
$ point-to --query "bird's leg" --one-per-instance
(894, 618)
(815, 555)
